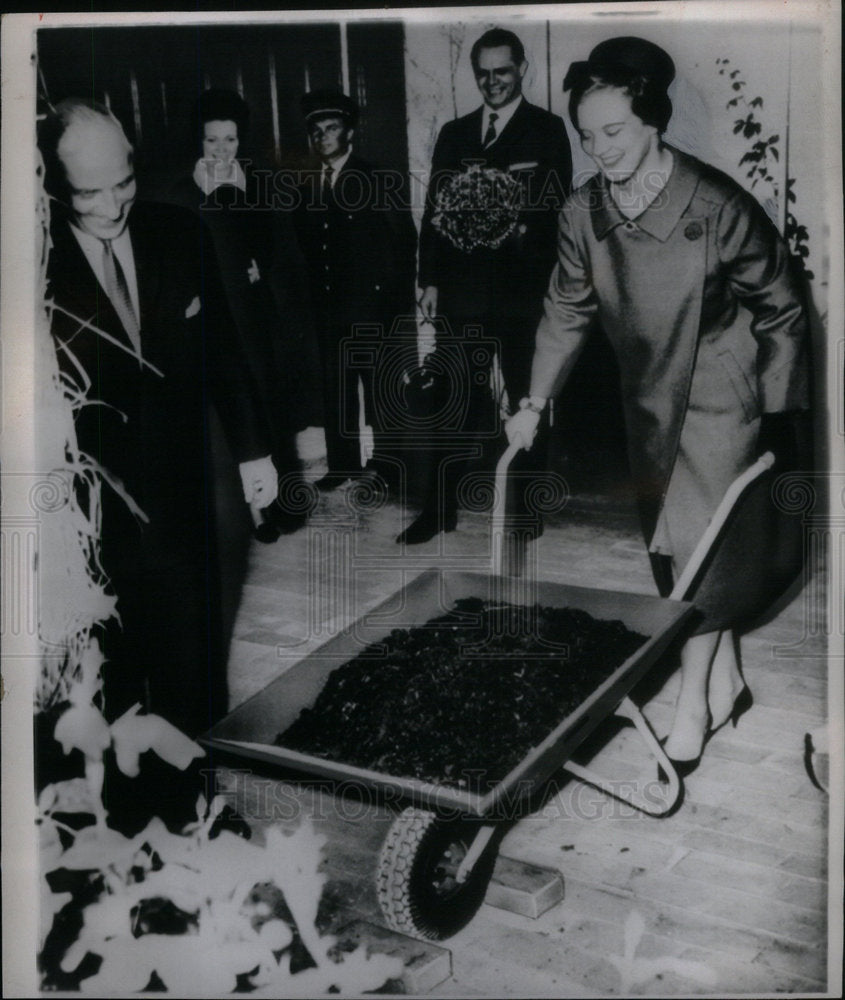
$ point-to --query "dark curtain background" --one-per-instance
(151, 76)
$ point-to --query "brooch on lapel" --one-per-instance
(193, 308)
(252, 272)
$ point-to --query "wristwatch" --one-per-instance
(531, 403)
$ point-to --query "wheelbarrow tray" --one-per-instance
(249, 731)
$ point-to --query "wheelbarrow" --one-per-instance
(437, 858)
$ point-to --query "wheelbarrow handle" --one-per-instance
(652, 797)
(500, 501)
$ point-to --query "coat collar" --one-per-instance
(663, 214)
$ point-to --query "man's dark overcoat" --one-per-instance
(147, 426)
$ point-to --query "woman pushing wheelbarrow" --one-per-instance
(694, 287)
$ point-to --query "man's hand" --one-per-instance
(428, 302)
(524, 423)
(260, 481)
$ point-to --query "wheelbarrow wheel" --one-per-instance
(416, 880)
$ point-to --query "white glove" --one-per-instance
(260, 481)
(523, 423)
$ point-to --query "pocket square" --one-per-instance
(524, 166)
(193, 308)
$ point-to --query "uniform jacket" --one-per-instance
(698, 298)
(534, 147)
(360, 248)
(149, 428)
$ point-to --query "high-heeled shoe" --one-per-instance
(744, 701)
(683, 768)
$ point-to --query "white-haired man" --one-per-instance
(140, 316)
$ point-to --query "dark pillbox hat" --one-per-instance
(328, 102)
(637, 55)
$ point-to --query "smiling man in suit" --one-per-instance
(141, 328)
(499, 289)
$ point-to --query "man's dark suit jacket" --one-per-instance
(499, 290)
(507, 281)
(149, 430)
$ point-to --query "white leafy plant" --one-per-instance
(211, 880)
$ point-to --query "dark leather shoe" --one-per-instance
(331, 481)
(276, 522)
(425, 527)
(683, 768)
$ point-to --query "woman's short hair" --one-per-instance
(639, 68)
(220, 106)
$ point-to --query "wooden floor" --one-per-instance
(726, 896)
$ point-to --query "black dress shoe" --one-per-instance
(287, 522)
(331, 481)
(265, 533)
(426, 527)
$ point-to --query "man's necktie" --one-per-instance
(118, 292)
(328, 173)
(490, 134)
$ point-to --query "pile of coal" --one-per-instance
(461, 700)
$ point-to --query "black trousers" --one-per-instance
(340, 398)
(167, 651)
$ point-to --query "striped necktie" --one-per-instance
(490, 134)
(118, 292)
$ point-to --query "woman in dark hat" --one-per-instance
(262, 271)
(694, 287)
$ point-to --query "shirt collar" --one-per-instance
(121, 245)
(663, 214)
(503, 115)
(338, 165)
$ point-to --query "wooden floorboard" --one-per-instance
(729, 895)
